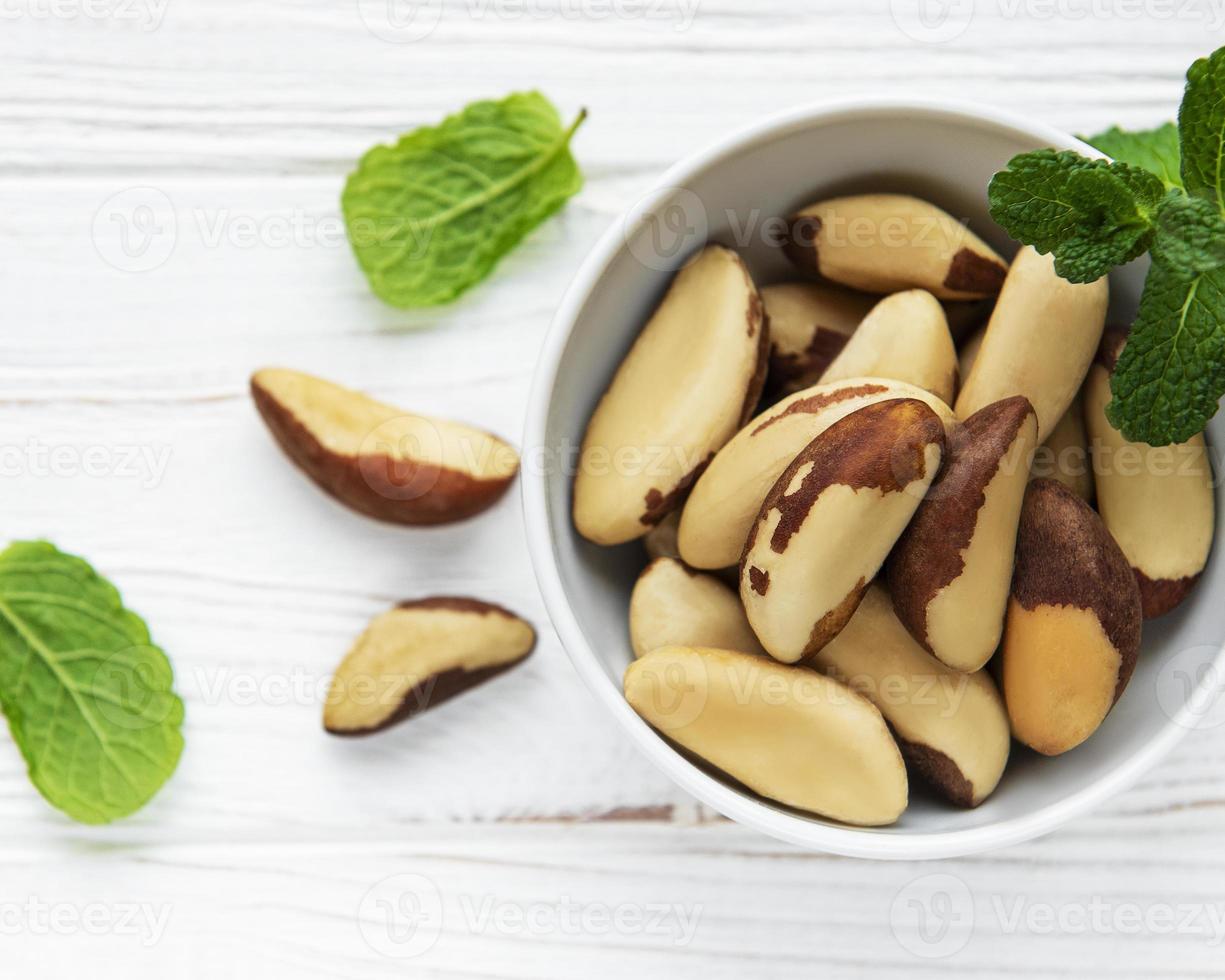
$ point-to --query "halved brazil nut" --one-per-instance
(726, 499)
(809, 324)
(672, 605)
(1073, 627)
(688, 383)
(827, 525)
(1065, 454)
(883, 243)
(951, 726)
(418, 655)
(951, 569)
(787, 733)
(380, 460)
(904, 338)
(1156, 500)
(1039, 342)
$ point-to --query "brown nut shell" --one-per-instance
(951, 569)
(788, 733)
(379, 460)
(418, 655)
(828, 524)
(1074, 618)
(690, 380)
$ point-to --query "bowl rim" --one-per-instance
(832, 838)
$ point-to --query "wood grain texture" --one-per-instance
(126, 434)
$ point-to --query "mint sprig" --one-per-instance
(1164, 193)
(431, 215)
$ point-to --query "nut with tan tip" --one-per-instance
(672, 605)
(1074, 617)
(726, 499)
(787, 733)
(690, 380)
(1157, 501)
(951, 569)
(810, 323)
(1039, 342)
(951, 726)
(828, 524)
(904, 338)
(883, 243)
(379, 460)
(418, 655)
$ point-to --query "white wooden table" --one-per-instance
(518, 833)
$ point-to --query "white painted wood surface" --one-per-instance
(128, 437)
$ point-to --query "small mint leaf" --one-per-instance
(88, 698)
(1090, 214)
(430, 216)
(1190, 235)
(1171, 374)
(1201, 127)
(1154, 150)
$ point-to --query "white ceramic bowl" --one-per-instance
(943, 151)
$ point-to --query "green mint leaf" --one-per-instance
(87, 696)
(1190, 235)
(1201, 126)
(1171, 374)
(1091, 214)
(1154, 150)
(430, 216)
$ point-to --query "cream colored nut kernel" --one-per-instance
(689, 382)
(726, 499)
(787, 733)
(951, 569)
(672, 605)
(380, 460)
(904, 338)
(951, 726)
(418, 655)
(883, 243)
(827, 525)
(1065, 454)
(809, 324)
(1157, 501)
(1073, 628)
(1039, 342)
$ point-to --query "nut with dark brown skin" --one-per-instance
(1157, 501)
(1039, 342)
(380, 460)
(726, 499)
(904, 338)
(1074, 619)
(788, 733)
(810, 323)
(951, 726)
(883, 243)
(827, 525)
(418, 655)
(951, 569)
(690, 380)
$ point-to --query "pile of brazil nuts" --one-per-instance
(925, 541)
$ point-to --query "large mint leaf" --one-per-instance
(1190, 235)
(431, 216)
(1201, 126)
(1090, 214)
(88, 698)
(1171, 374)
(1154, 150)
